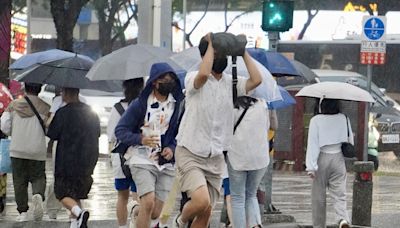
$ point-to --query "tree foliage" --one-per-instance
(112, 24)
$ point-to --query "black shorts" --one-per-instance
(73, 187)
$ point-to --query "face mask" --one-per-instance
(166, 88)
(219, 65)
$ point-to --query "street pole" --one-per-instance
(157, 23)
(273, 38)
(184, 11)
(28, 25)
(367, 109)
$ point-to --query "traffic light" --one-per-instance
(277, 15)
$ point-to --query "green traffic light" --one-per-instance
(276, 19)
(277, 15)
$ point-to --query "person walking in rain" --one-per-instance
(248, 160)
(325, 161)
(206, 131)
(132, 89)
(76, 128)
(24, 121)
(149, 127)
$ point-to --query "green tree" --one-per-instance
(112, 24)
(229, 4)
(65, 14)
(188, 34)
(312, 7)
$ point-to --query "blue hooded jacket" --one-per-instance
(128, 130)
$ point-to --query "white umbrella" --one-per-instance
(130, 62)
(336, 90)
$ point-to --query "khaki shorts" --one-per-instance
(149, 179)
(194, 171)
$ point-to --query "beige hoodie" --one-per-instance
(27, 136)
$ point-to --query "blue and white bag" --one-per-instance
(5, 160)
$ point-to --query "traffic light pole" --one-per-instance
(273, 38)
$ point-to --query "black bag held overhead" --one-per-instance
(227, 44)
(348, 149)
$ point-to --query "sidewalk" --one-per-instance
(291, 194)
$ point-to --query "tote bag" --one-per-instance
(5, 160)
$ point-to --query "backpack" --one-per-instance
(121, 148)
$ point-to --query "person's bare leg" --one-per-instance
(202, 220)
(69, 203)
(145, 210)
(122, 211)
(197, 205)
(157, 209)
(229, 208)
(136, 198)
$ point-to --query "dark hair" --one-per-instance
(33, 88)
(203, 46)
(132, 89)
(70, 91)
(328, 106)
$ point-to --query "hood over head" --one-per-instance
(158, 70)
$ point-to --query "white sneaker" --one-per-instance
(343, 224)
(83, 218)
(175, 223)
(74, 223)
(23, 217)
(37, 207)
(132, 207)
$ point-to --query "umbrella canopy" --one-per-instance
(133, 61)
(336, 90)
(275, 62)
(69, 72)
(287, 100)
(190, 60)
(307, 76)
(5, 98)
(29, 60)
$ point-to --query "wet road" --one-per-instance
(291, 194)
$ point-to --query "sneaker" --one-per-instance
(37, 207)
(160, 226)
(176, 224)
(343, 224)
(83, 218)
(74, 223)
(23, 217)
(133, 205)
(272, 210)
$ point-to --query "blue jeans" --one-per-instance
(243, 187)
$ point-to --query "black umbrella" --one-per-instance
(69, 72)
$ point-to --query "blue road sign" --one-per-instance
(374, 28)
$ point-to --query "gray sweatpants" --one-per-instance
(331, 174)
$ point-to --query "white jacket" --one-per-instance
(27, 136)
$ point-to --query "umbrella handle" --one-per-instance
(234, 81)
